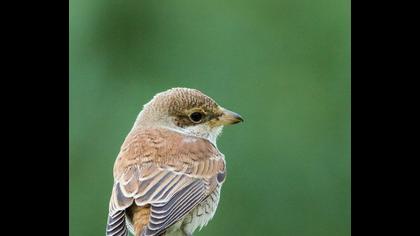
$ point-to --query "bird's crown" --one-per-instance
(178, 100)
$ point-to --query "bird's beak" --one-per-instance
(229, 118)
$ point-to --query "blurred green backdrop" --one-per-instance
(282, 64)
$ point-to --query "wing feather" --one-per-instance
(164, 216)
(116, 225)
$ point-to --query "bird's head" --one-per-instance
(188, 111)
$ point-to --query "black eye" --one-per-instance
(196, 116)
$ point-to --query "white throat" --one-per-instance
(201, 131)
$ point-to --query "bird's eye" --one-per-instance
(196, 116)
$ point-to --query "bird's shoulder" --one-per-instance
(167, 149)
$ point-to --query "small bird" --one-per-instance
(169, 171)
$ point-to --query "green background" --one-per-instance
(284, 65)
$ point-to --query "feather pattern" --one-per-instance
(167, 171)
(165, 215)
(116, 225)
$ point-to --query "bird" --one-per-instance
(169, 172)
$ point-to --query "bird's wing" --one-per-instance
(167, 171)
(116, 224)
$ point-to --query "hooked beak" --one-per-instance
(229, 117)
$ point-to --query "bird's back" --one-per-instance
(166, 182)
